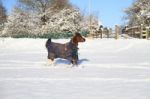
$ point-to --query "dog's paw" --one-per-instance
(49, 63)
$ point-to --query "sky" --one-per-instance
(109, 12)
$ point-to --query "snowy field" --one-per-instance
(108, 69)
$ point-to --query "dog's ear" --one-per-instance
(77, 34)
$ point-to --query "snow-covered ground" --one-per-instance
(108, 69)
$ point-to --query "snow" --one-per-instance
(108, 69)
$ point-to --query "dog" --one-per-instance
(67, 51)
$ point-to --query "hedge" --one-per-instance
(48, 35)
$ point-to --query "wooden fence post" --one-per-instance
(117, 31)
(101, 34)
(110, 32)
(148, 32)
(107, 32)
(143, 32)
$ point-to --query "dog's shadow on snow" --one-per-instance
(80, 61)
(67, 62)
(62, 61)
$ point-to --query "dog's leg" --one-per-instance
(50, 59)
(50, 62)
(74, 63)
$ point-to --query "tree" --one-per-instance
(40, 17)
(67, 20)
(20, 23)
(35, 6)
(58, 5)
(43, 7)
(3, 16)
(138, 13)
(90, 23)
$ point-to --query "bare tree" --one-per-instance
(58, 5)
(42, 6)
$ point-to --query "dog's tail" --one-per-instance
(48, 42)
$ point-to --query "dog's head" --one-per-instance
(78, 38)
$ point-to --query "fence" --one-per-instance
(141, 32)
(106, 33)
(127, 32)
